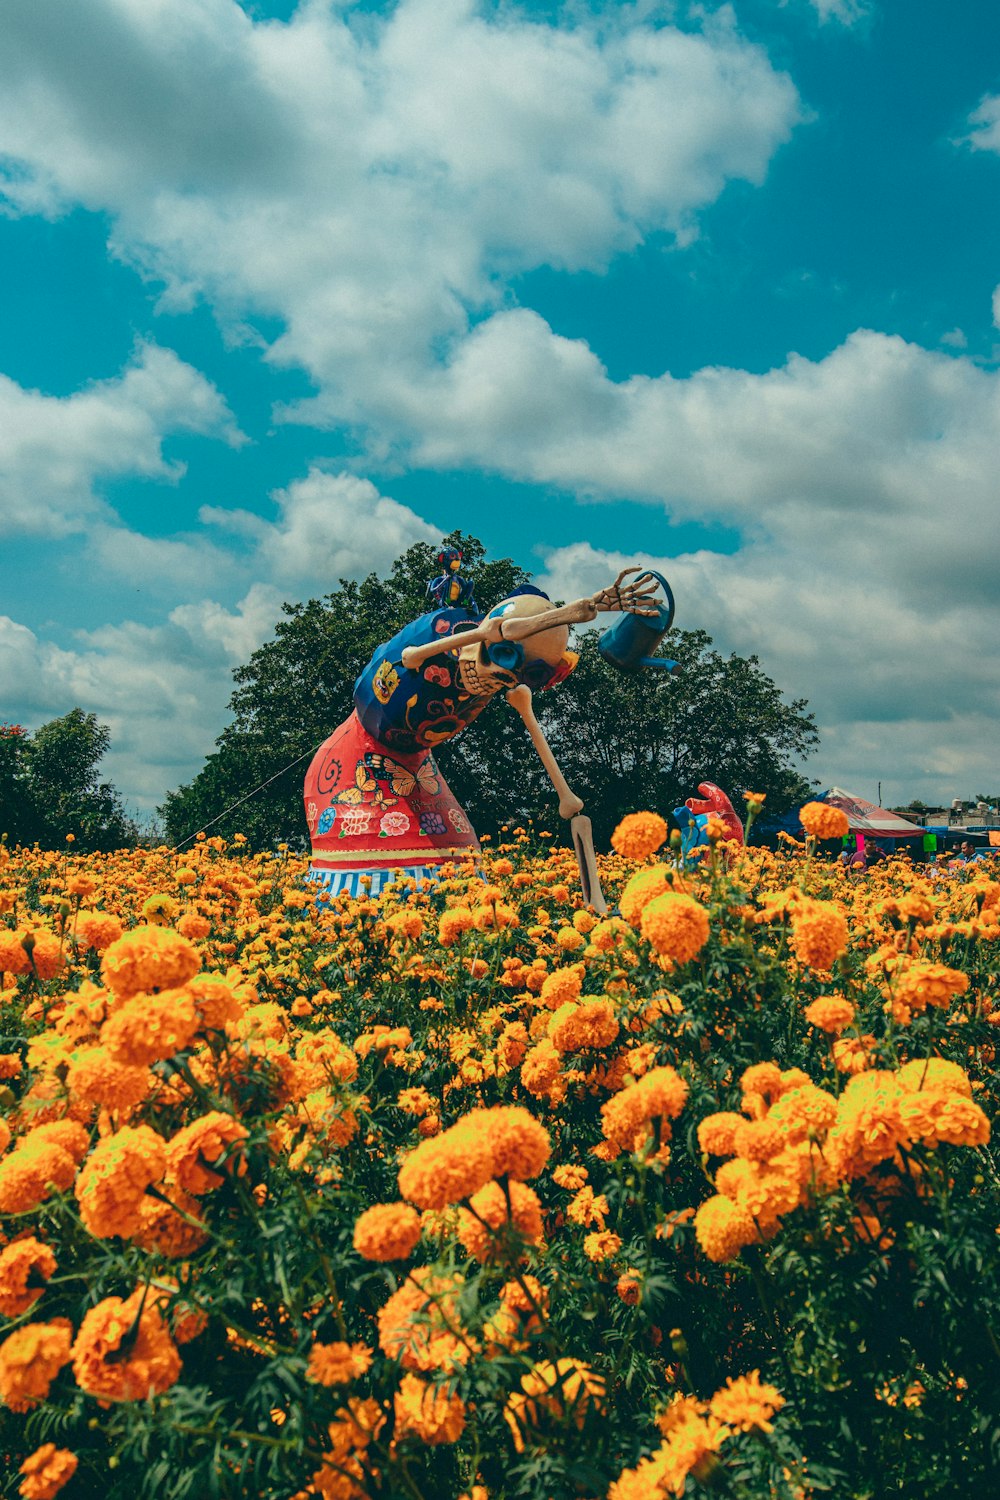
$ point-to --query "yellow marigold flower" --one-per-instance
(716, 1133)
(151, 1027)
(448, 1167)
(579, 1028)
(676, 926)
(46, 1471)
(114, 1179)
(819, 933)
(570, 1177)
(25, 1267)
(428, 1413)
(387, 1231)
(337, 1364)
(123, 1351)
(644, 887)
(569, 940)
(747, 1403)
(159, 910)
(149, 959)
(821, 821)
(199, 1147)
(601, 1244)
(481, 1227)
(723, 1228)
(830, 1013)
(868, 1128)
(560, 1389)
(30, 1359)
(639, 835)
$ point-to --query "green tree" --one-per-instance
(50, 786)
(624, 742)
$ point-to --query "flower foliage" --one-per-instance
(469, 1193)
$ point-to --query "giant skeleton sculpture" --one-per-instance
(376, 803)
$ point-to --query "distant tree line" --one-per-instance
(50, 786)
(624, 742)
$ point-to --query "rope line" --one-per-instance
(235, 805)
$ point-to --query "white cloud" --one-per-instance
(984, 121)
(847, 12)
(56, 450)
(371, 179)
(162, 688)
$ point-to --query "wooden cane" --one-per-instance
(570, 805)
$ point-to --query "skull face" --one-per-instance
(480, 678)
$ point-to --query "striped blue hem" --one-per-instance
(348, 882)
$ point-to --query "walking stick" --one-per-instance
(570, 805)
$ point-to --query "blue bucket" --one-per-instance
(629, 644)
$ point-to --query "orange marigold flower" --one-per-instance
(747, 1403)
(194, 1154)
(338, 1364)
(659, 1095)
(175, 1229)
(97, 929)
(601, 1244)
(868, 1128)
(639, 835)
(46, 1471)
(758, 1140)
(31, 1172)
(193, 926)
(676, 926)
(570, 1177)
(428, 1413)
(415, 1325)
(629, 1287)
(30, 1359)
(25, 1267)
(114, 1179)
(448, 1167)
(830, 1013)
(387, 1231)
(13, 956)
(851, 1054)
(151, 1027)
(452, 924)
(46, 953)
(123, 1351)
(562, 986)
(723, 1228)
(95, 1077)
(149, 959)
(482, 1225)
(819, 933)
(519, 1143)
(934, 1075)
(716, 1133)
(579, 1028)
(923, 984)
(802, 1112)
(821, 821)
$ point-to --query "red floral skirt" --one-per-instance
(371, 814)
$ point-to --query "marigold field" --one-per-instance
(467, 1193)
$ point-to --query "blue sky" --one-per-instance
(289, 287)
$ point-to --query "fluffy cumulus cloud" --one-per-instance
(55, 452)
(162, 688)
(372, 180)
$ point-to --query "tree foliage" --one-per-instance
(50, 786)
(623, 741)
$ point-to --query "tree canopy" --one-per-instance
(50, 786)
(624, 742)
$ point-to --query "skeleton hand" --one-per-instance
(637, 597)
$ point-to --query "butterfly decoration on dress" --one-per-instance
(384, 781)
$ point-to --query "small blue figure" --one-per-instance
(451, 590)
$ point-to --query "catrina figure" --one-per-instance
(376, 803)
